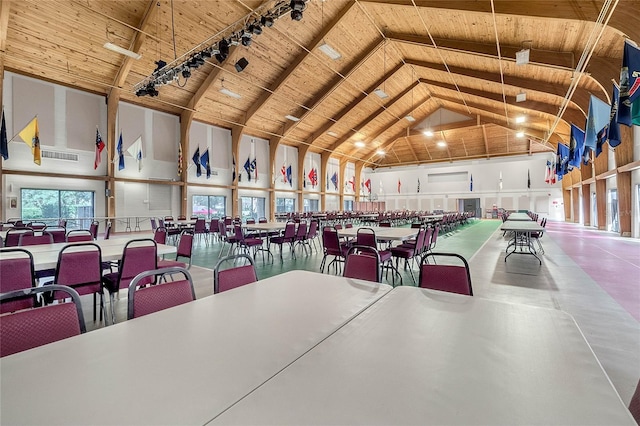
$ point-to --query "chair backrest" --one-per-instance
(200, 226)
(59, 234)
(427, 240)
(385, 224)
(263, 220)
(164, 295)
(76, 235)
(32, 240)
(182, 217)
(107, 231)
(363, 262)
(213, 225)
(634, 404)
(154, 223)
(301, 233)
(366, 237)
(160, 235)
(12, 238)
(35, 327)
(185, 245)
(451, 278)
(222, 229)
(330, 240)
(434, 236)
(138, 256)
(227, 279)
(251, 221)
(16, 273)
(313, 229)
(290, 230)
(93, 228)
(79, 264)
(37, 226)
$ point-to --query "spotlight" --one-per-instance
(246, 39)
(141, 92)
(241, 64)
(223, 47)
(206, 54)
(297, 7)
(267, 21)
(255, 28)
(186, 73)
(160, 64)
(151, 90)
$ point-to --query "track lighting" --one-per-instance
(267, 21)
(246, 39)
(241, 64)
(297, 7)
(186, 73)
(255, 28)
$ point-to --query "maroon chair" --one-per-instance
(144, 300)
(312, 235)
(30, 328)
(59, 234)
(634, 404)
(367, 237)
(409, 253)
(79, 235)
(33, 240)
(450, 278)
(362, 262)
(16, 273)
(12, 238)
(185, 247)
(160, 235)
(200, 229)
(227, 279)
(301, 235)
(107, 231)
(138, 256)
(37, 226)
(332, 247)
(248, 243)
(214, 230)
(80, 267)
(288, 238)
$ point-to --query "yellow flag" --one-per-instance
(31, 137)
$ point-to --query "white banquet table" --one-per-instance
(521, 242)
(426, 357)
(382, 233)
(183, 365)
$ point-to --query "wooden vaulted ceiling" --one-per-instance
(433, 59)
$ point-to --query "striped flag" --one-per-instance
(99, 148)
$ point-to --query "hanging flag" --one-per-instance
(352, 182)
(334, 180)
(313, 177)
(120, 153)
(196, 160)
(614, 127)
(576, 146)
(204, 161)
(289, 175)
(597, 119)
(553, 170)
(528, 179)
(471, 183)
(327, 181)
(233, 170)
(367, 184)
(547, 173)
(247, 168)
(635, 113)
(418, 185)
(562, 161)
(399, 185)
(304, 177)
(99, 148)
(180, 159)
(283, 172)
(500, 181)
(136, 151)
(31, 137)
(4, 143)
(254, 169)
(629, 82)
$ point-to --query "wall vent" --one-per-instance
(57, 155)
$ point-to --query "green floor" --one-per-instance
(466, 240)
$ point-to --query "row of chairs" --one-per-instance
(16, 237)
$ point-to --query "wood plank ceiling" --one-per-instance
(438, 61)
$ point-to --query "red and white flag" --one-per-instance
(99, 147)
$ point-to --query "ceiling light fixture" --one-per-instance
(381, 93)
(333, 134)
(520, 119)
(228, 92)
(122, 50)
(428, 133)
(291, 117)
(359, 144)
(410, 118)
(521, 97)
(380, 152)
(329, 51)
(442, 144)
(522, 56)
(520, 134)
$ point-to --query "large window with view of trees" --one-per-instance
(310, 205)
(49, 205)
(252, 207)
(209, 206)
(285, 205)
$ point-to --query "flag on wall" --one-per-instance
(629, 82)
(120, 153)
(418, 185)
(367, 184)
(471, 182)
(334, 180)
(136, 151)
(233, 170)
(196, 160)
(99, 148)
(313, 177)
(528, 179)
(576, 146)
(547, 173)
(597, 120)
(204, 160)
(399, 185)
(247, 168)
(31, 137)
(289, 175)
(283, 172)
(180, 159)
(352, 182)
(614, 127)
(4, 143)
(304, 177)
(254, 169)
(562, 160)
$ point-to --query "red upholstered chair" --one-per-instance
(37, 226)
(12, 238)
(144, 300)
(30, 328)
(409, 252)
(79, 235)
(16, 273)
(445, 277)
(288, 238)
(33, 240)
(301, 235)
(200, 229)
(363, 262)
(312, 235)
(59, 234)
(236, 276)
(138, 256)
(160, 235)
(634, 404)
(185, 247)
(80, 267)
(332, 247)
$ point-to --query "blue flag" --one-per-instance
(562, 160)
(289, 175)
(576, 146)
(204, 160)
(120, 153)
(196, 160)
(629, 82)
(4, 143)
(304, 178)
(247, 167)
(334, 180)
(233, 170)
(614, 127)
(471, 184)
(597, 120)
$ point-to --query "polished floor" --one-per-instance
(591, 275)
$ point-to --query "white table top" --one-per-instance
(432, 217)
(382, 233)
(45, 256)
(427, 357)
(183, 365)
(521, 226)
(519, 217)
(270, 226)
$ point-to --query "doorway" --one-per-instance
(470, 205)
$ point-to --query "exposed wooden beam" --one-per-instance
(485, 138)
(214, 74)
(406, 139)
(283, 77)
(5, 9)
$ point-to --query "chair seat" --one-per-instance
(165, 263)
(110, 281)
(385, 255)
(403, 252)
(252, 242)
(281, 240)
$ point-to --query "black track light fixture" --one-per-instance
(241, 64)
(186, 73)
(266, 21)
(160, 64)
(297, 7)
(255, 28)
(246, 39)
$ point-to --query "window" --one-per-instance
(51, 204)
(612, 210)
(209, 206)
(310, 205)
(285, 205)
(348, 205)
(252, 208)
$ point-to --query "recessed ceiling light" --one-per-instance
(228, 92)
(380, 152)
(410, 118)
(520, 119)
(291, 117)
(381, 93)
(442, 144)
(522, 57)
(521, 97)
(333, 134)
(520, 134)
(359, 144)
(428, 133)
(330, 51)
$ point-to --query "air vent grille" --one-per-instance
(56, 155)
